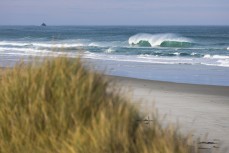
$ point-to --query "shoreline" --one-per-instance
(179, 87)
(202, 110)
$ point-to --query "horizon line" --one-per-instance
(117, 25)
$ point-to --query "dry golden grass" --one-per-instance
(1, 70)
(59, 107)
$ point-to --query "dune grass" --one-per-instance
(60, 107)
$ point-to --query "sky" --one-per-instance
(114, 12)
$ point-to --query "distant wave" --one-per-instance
(162, 40)
(25, 50)
(60, 45)
(33, 52)
(63, 44)
(18, 44)
(41, 44)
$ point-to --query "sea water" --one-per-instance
(183, 54)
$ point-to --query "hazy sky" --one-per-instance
(114, 12)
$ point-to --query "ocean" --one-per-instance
(182, 54)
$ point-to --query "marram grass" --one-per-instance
(60, 107)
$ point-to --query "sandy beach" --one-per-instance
(202, 110)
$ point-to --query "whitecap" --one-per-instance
(207, 56)
(193, 53)
(109, 50)
(176, 53)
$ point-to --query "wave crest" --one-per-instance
(162, 40)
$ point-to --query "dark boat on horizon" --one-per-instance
(43, 25)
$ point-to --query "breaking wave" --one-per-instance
(161, 40)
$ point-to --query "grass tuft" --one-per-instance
(60, 107)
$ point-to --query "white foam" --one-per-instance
(55, 45)
(207, 56)
(224, 63)
(8, 43)
(156, 39)
(6, 49)
(216, 56)
(220, 57)
(193, 53)
(141, 58)
(145, 58)
(109, 44)
(67, 44)
(227, 48)
(109, 50)
(176, 53)
(64, 44)
(34, 52)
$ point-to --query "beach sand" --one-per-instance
(202, 110)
